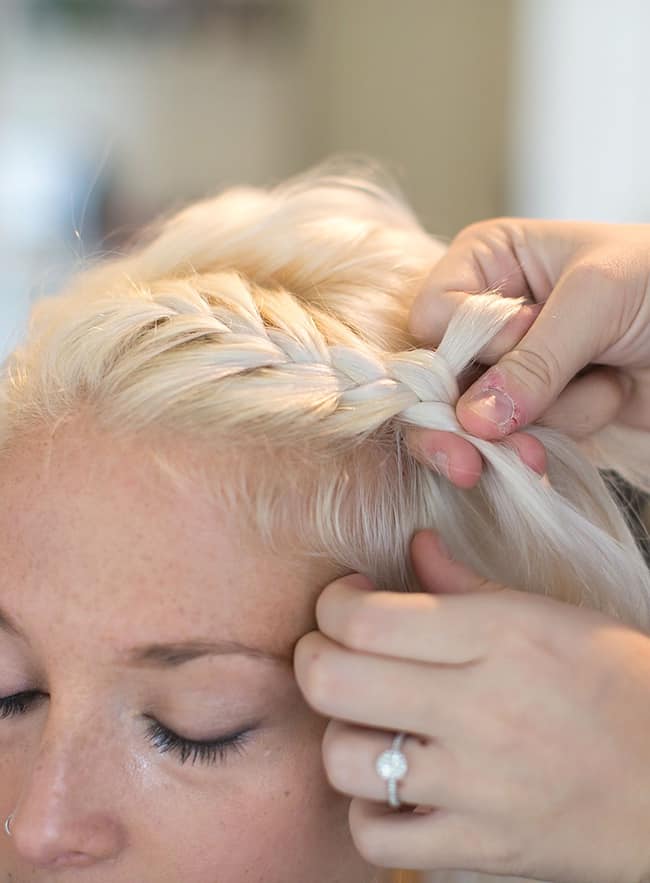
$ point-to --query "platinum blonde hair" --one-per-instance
(270, 327)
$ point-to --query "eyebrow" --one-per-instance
(178, 652)
(173, 654)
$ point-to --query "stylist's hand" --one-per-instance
(591, 288)
(534, 718)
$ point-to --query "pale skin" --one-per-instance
(99, 553)
(533, 715)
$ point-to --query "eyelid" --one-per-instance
(207, 751)
(16, 704)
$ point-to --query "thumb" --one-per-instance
(439, 574)
(521, 386)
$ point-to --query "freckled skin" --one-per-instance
(98, 552)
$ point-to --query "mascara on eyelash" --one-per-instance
(207, 752)
(11, 706)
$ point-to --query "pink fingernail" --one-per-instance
(360, 581)
(493, 405)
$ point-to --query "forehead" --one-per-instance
(92, 531)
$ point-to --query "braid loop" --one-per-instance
(416, 386)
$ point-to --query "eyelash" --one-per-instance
(207, 752)
(12, 706)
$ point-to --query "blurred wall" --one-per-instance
(423, 85)
(168, 116)
(580, 129)
(102, 129)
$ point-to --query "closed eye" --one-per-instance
(11, 706)
(207, 751)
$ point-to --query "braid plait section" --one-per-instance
(298, 361)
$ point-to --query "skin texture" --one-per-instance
(589, 287)
(99, 552)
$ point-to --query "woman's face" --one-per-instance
(133, 604)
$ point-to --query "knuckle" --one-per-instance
(499, 232)
(533, 368)
(486, 228)
(477, 229)
(617, 279)
(600, 266)
(338, 763)
(317, 681)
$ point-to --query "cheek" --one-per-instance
(14, 758)
(9, 777)
(274, 820)
(279, 828)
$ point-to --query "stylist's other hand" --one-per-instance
(590, 284)
(531, 720)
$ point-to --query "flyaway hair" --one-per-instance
(270, 327)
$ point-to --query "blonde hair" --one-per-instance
(270, 326)
(273, 325)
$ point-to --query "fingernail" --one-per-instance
(359, 581)
(440, 462)
(493, 405)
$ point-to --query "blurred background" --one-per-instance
(113, 111)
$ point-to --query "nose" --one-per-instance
(66, 815)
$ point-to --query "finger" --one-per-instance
(635, 410)
(515, 256)
(438, 573)
(481, 258)
(571, 331)
(459, 461)
(506, 339)
(450, 455)
(588, 403)
(530, 449)
(350, 753)
(510, 335)
(431, 626)
(379, 691)
(435, 840)
(407, 625)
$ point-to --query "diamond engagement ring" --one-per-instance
(393, 766)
